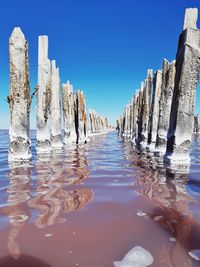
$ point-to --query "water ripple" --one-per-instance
(98, 190)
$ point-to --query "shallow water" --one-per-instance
(91, 204)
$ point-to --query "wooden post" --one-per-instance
(68, 100)
(56, 137)
(19, 99)
(43, 134)
(186, 80)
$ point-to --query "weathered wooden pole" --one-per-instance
(196, 124)
(99, 120)
(98, 123)
(153, 123)
(167, 88)
(19, 99)
(95, 122)
(132, 116)
(68, 105)
(125, 121)
(135, 116)
(91, 121)
(106, 124)
(81, 118)
(186, 80)
(121, 124)
(43, 134)
(118, 126)
(131, 119)
(140, 112)
(128, 118)
(102, 124)
(56, 136)
(146, 102)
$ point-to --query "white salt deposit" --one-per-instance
(141, 214)
(136, 257)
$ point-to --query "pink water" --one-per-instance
(91, 204)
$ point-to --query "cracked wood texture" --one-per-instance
(19, 99)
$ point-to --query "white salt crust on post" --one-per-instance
(19, 99)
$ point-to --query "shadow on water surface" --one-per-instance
(24, 261)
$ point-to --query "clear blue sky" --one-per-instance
(102, 46)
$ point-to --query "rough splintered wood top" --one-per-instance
(190, 20)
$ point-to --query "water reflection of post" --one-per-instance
(76, 161)
(53, 197)
(80, 164)
(39, 202)
(167, 190)
(17, 211)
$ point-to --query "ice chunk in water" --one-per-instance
(136, 257)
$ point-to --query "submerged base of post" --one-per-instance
(56, 142)
(43, 147)
(19, 150)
